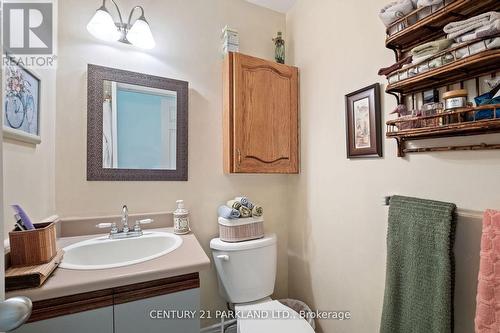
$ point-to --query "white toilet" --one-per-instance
(247, 272)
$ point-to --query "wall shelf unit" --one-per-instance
(470, 67)
(449, 67)
(431, 26)
(467, 123)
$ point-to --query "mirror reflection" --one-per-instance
(139, 127)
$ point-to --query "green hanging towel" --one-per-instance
(419, 279)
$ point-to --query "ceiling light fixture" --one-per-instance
(102, 26)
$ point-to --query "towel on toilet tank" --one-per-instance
(245, 202)
(245, 212)
(228, 212)
(257, 211)
(234, 204)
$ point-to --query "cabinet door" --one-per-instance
(95, 321)
(177, 312)
(265, 116)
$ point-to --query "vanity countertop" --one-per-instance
(188, 258)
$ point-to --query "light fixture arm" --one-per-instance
(142, 17)
(117, 9)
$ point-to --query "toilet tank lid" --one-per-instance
(268, 240)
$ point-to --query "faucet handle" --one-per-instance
(113, 227)
(138, 223)
(104, 225)
(145, 221)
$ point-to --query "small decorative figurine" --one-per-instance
(279, 54)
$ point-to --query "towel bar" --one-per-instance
(460, 212)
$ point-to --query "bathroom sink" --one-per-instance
(102, 252)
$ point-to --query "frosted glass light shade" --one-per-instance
(103, 27)
(140, 35)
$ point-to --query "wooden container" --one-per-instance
(33, 247)
(240, 230)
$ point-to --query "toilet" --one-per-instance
(247, 273)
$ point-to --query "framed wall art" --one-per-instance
(21, 103)
(363, 123)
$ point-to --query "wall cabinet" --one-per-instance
(261, 116)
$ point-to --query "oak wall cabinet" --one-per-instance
(261, 116)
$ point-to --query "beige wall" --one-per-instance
(188, 48)
(29, 177)
(337, 238)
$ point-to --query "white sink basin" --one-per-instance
(102, 252)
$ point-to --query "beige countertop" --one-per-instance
(188, 258)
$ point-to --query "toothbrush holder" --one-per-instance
(33, 247)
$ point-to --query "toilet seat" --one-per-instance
(270, 317)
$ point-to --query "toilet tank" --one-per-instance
(246, 270)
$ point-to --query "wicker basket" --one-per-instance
(240, 230)
(33, 247)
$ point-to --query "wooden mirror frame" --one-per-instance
(95, 98)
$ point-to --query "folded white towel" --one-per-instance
(395, 10)
(489, 30)
(479, 22)
(430, 48)
(428, 3)
(488, 44)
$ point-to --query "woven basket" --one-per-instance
(240, 230)
(33, 247)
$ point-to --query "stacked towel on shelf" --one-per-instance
(479, 46)
(428, 3)
(422, 59)
(480, 26)
(401, 8)
(428, 7)
(398, 65)
(395, 10)
(427, 50)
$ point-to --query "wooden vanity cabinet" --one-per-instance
(261, 116)
(159, 306)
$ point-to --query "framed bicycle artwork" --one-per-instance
(21, 99)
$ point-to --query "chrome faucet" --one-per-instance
(125, 219)
(115, 233)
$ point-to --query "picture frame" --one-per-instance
(363, 123)
(430, 96)
(21, 109)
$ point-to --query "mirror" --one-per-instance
(138, 127)
(141, 121)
